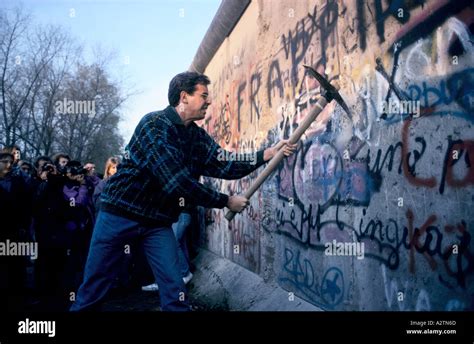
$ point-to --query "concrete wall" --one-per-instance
(401, 184)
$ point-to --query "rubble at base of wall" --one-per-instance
(219, 284)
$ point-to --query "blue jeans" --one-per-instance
(111, 234)
(179, 230)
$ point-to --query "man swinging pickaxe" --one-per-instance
(329, 93)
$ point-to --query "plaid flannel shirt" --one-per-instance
(162, 164)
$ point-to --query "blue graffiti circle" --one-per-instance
(332, 286)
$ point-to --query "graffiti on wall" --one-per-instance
(325, 291)
(399, 181)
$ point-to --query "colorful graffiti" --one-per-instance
(401, 182)
(326, 291)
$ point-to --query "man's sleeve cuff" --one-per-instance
(260, 160)
(223, 200)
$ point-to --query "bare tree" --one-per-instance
(38, 127)
(13, 26)
(43, 79)
(82, 131)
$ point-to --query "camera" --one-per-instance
(47, 168)
(62, 170)
(76, 170)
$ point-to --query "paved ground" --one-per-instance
(141, 301)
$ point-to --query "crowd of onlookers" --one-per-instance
(52, 202)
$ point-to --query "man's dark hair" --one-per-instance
(43, 157)
(187, 82)
(75, 167)
(27, 163)
(6, 155)
(9, 149)
(58, 156)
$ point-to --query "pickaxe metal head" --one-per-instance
(330, 92)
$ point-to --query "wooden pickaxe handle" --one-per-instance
(272, 165)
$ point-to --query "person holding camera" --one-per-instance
(49, 210)
(79, 220)
(60, 160)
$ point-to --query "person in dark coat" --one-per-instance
(15, 205)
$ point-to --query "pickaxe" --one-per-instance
(329, 93)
